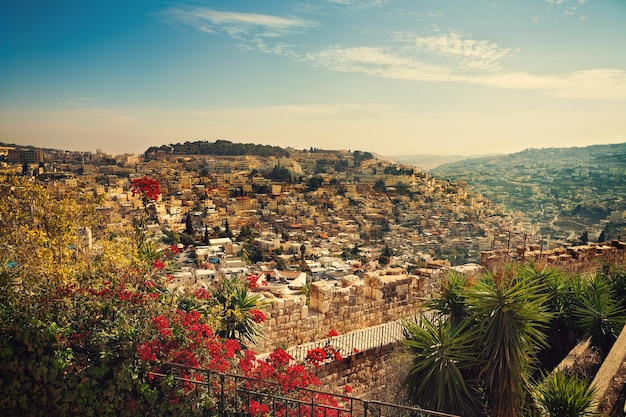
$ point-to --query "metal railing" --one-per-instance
(225, 394)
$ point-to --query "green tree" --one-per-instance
(510, 316)
(189, 225)
(302, 251)
(232, 303)
(451, 301)
(443, 358)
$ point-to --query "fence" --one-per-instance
(223, 394)
(353, 342)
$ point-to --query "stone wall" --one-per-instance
(574, 259)
(376, 374)
(350, 304)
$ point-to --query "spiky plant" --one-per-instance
(511, 315)
(451, 303)
(443, 354)
(564, 395)
(599, 315)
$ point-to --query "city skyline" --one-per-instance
(390, 77)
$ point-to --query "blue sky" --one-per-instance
(390, 77)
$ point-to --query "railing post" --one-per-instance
(222, 394)
(365, 407)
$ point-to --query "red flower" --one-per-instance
(258, 409)
(355, 350)
(252, 281)
(257, 316)
(347, 389)
(316, 356)
(332, 333)
(158, 264)
(162, 325)
(279, 357)
(202, 294)
(148, 188)
(145, 352)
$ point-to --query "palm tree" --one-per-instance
(443, 357)
(510, 316)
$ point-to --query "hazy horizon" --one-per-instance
(389, 77)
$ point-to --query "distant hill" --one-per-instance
(567, 193)
(427, 162)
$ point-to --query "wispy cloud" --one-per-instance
(378, 62)
(467, 54)
(237, 25)
(444, 57)
(590, 84)
(360, 4)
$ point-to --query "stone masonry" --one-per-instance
(351, 304)
(574, 259)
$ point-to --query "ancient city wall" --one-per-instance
(575, 259)
(352, 304)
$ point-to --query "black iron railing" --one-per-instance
(225, 394)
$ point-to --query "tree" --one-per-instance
(510, 316)
(302, 251)
(602, 237)
(314, 183)
(385, 256)
(189, 225)
(227, 230)
(584, 237)
(205, 239)
(443, 357)
(234, 305)
(500, 323)
(451, 302)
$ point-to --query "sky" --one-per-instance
(392, 77)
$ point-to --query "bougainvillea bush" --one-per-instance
(91, 332)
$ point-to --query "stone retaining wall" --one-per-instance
(376, 374)
(352, 304)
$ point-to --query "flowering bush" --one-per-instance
(148, 188)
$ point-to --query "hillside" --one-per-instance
(565, 193)
(428, 161)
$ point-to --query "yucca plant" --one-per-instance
(451, 303)
(233, 303)
(511, 317)
(600, 317)
(563, 293)
(443, 356)
(564, 395)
